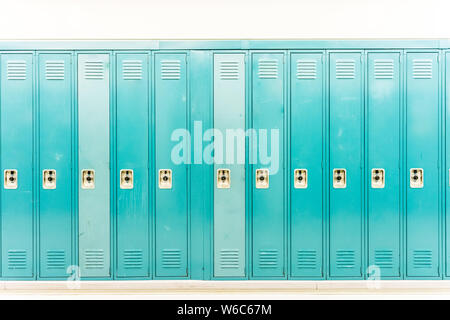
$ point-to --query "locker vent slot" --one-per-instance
(132, 259)
(384, 258)
(17, 259)
(94, 259)
(345, 69)
(345, 259)
(229, 70)
(56, 259)
(306, 69)
(170, 69)
(16, 70)
(422, 69)
(306, 259)
(268, 258)
(422, 258)
(268, 69)
(54, 70)
(384, 69)
(132, 70)
(94, 70)
(171, 258)
(229, 259)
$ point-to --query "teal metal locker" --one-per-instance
(55, 164)
(132, 176)
(171, 215)
(229, 200)
(306, 177)
(423, 153)
(447, 164)
(17, 211)
(269, 202)
(94, 165)
(383, 153)
(346, 141)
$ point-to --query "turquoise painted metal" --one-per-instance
(423, 152)
(55, 105)
(307, 114)
(132, 165)
(110, 169)
(229, 195)
(94, 165)
(268, 195)
(346, 164)
(172, 207)
(17, 162)
(383, 107)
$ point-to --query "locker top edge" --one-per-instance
(6, 45)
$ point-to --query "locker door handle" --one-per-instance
(49, 179)
(88, 179)
(165, 179)
(340, 178)
(11, 179)
(416, 178)
(126, 179)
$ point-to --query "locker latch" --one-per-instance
(223, 178)
(378, 178)
(49, 179)
(126, 179)
(300, 178)
(340, 178)
(10, 178)
(87, 179)
(165, 179)
(416, 178)
(262, 178)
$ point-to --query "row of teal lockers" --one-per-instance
(91, 187)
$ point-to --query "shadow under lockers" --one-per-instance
(112, 170)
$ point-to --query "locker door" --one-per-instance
(447, 180)
(133, 213)
(171, 195)
(17, 154)
(383, 132)
(422, 216)
(93, 165)
(268, 203)
(346, 105)
(55, 163)
(229, 203)
(307, 103)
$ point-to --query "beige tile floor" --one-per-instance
(225, 290)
